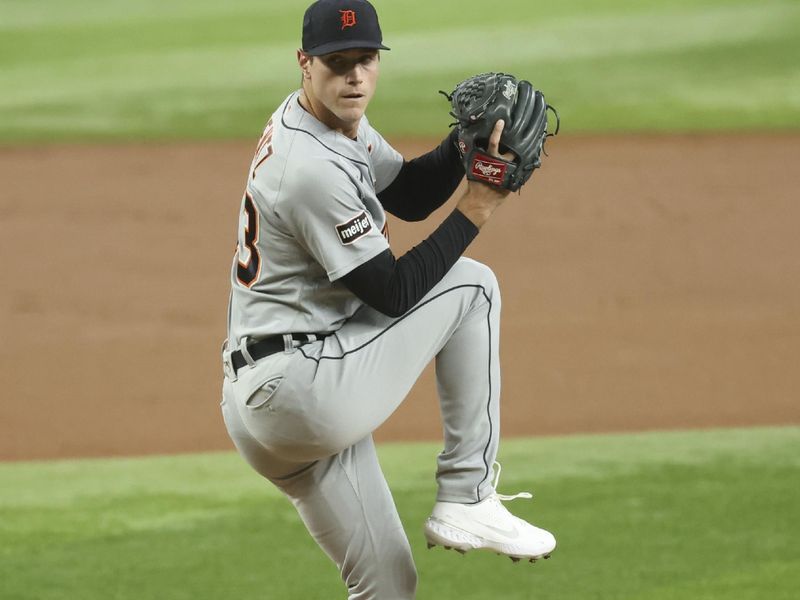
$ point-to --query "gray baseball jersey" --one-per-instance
(309, 216)
(304, 418)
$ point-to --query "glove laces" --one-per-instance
(496, 466)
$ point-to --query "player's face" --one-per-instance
(340, 85)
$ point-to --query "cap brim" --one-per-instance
(344, 45)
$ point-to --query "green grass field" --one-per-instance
(200, 69)
(656, 516)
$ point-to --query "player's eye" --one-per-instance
(342, 64)
(338, 64)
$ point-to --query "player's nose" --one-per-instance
(356, 74)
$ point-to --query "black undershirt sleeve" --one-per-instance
(424, 183)
(394, 286)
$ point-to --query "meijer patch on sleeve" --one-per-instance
(354, 229)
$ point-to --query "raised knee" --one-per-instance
(469, 271)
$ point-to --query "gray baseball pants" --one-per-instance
(304, 420)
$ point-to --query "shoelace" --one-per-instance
(505, 497)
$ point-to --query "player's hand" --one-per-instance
(493, 148)
(482, 199)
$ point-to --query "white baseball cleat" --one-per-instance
(487, 525)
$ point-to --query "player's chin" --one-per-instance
(351, 112)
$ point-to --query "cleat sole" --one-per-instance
(438, 533)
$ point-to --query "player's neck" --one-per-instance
(326, 117)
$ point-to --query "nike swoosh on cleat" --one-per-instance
(510, 533)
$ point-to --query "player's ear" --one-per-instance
(304, 60)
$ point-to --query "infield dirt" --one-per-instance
(648, 283)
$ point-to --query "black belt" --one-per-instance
(267, 346)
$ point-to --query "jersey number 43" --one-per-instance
(247, 272)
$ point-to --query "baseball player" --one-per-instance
(328, 330)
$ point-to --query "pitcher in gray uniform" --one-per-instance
(328, 331)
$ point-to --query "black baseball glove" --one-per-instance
(478, 103)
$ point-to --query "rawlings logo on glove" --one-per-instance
(488, 169)
(478, 103)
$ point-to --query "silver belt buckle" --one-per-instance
(227, 363)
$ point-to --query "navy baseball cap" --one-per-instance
(334, 25)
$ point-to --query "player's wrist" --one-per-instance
(476, 208)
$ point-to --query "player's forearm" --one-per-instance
(393, 287)
(424, 183)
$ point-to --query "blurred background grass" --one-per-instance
(656, 516)
(202, 69)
